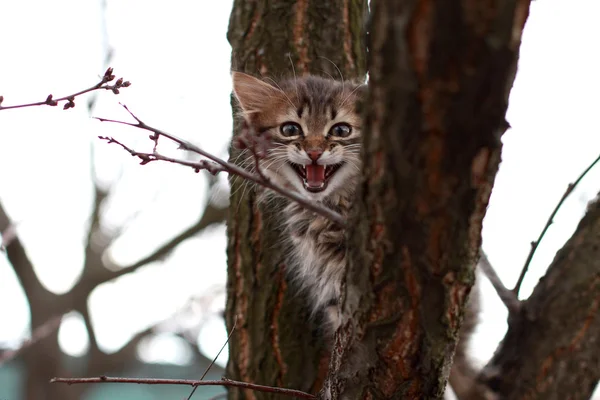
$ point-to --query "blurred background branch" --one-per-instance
(44, 303)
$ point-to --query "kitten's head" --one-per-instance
(314, 127)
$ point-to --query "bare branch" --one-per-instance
(212, 215)
(213, 361)
(85, 313)
(550, 350)
(38, 334)
(190, 382)
(507, 296)
(154, 156)
(221, 165)
(22, 265)
(217, 356)
(70, 99)
(535, 245)
(99, 197)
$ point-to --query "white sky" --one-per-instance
(176, 56)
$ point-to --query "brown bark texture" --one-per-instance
(274, 342)
(552, 348)
(440, 76)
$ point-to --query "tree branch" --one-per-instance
(439, 82)
(212, 215)
(213, 361)
(16, 254)
(99, 197)
(535, 244)
(155, 156)
(216, 166)
(38, 334)
(70, 99)
(507, 296)
(551, 350)
(222, 382)
(87, 320)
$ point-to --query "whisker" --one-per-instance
(271, 163)
(277, 170)
(279, 87)
(240, 185)
(328, 74)
(242, 196)
(351, 93)
(295, 77)
(339, 71)
(239, 155)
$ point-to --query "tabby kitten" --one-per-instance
(315, 129)
(315, 132)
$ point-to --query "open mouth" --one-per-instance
(315, 177)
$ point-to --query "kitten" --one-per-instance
(315, 129)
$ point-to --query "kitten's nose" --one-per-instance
(314, 154)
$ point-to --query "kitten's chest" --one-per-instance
(317, 254)
(317, 243)
(306, 226)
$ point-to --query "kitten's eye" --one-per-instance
(340, 130)
(291, 129)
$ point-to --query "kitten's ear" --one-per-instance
(252, 93)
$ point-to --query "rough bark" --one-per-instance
(552, 348)
(273, 343)
(440, 75)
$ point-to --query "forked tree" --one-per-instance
(440, 74)
(439, 79)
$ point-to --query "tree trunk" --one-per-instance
(551, 350)
(440, 76)
(273, 343)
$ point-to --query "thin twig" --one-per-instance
(191, 382)
(39, 333)
(149, 157)
(535, 245)
(223, 166)
(256, 143)
(507, 296)
(70, 99)
(214, 360)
